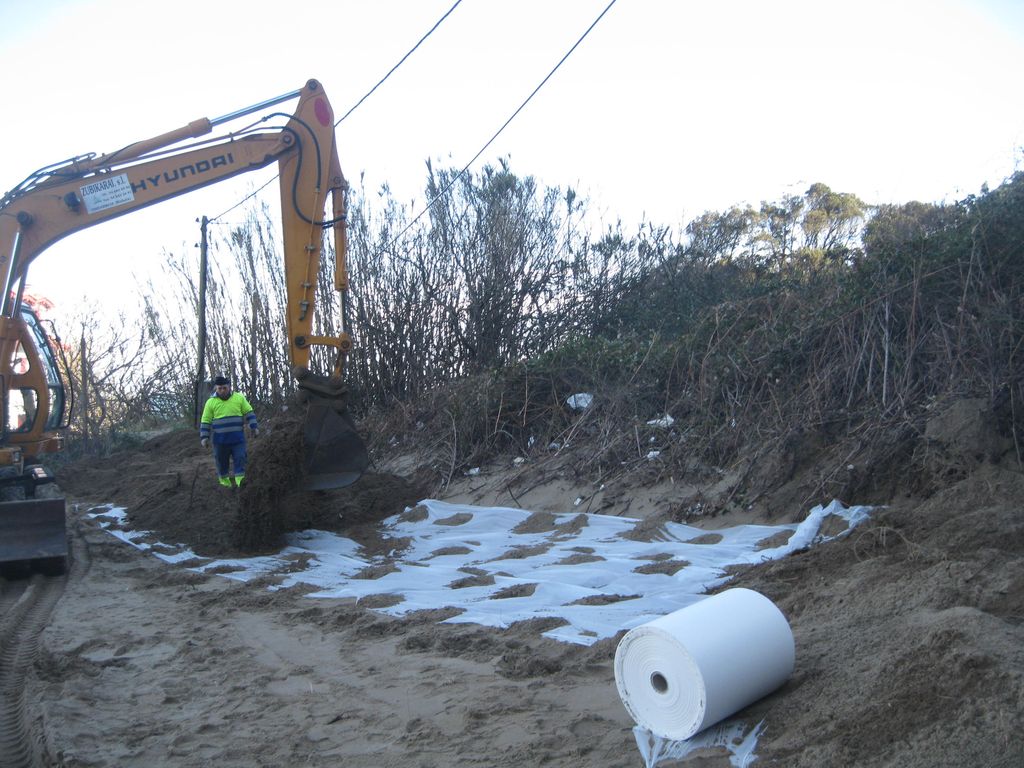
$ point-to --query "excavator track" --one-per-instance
(25, 607)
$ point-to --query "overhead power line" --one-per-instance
(250, 196)
(505, 125)
(358, 103)
(400, 63)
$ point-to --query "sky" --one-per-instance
(669, 108)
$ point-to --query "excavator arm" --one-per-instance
(82, 192)
(86, 191)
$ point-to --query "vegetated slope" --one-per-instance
(772, 353)
(890, 377)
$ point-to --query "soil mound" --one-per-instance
(910, 628)
(168, 485)
(272, 502)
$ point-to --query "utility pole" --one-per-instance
(84, 359)
(201, 369)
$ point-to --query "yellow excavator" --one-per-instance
(83, 191)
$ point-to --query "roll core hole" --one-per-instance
(659, 683)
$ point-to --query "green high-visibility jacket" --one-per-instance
(226, 419)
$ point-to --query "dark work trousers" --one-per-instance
(232, 452)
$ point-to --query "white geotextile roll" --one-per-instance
(683, 672)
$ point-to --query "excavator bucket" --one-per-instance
(335, 454)
(33, 530)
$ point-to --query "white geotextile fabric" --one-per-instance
(688, 670)
(736, 738)
(586, 571)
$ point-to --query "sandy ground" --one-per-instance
(910, 649)
(146, 665)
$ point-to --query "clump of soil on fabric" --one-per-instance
(169, 487)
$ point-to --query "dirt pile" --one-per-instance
(272, 501)
(168, 486)
(910, 641)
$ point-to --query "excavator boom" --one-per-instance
(85, 191)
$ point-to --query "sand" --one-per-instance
(910, 643)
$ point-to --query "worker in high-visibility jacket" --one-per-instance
(225, 415)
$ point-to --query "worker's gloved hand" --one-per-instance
(255, 431)
(205, 442)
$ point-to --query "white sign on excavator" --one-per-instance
(106, 193)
